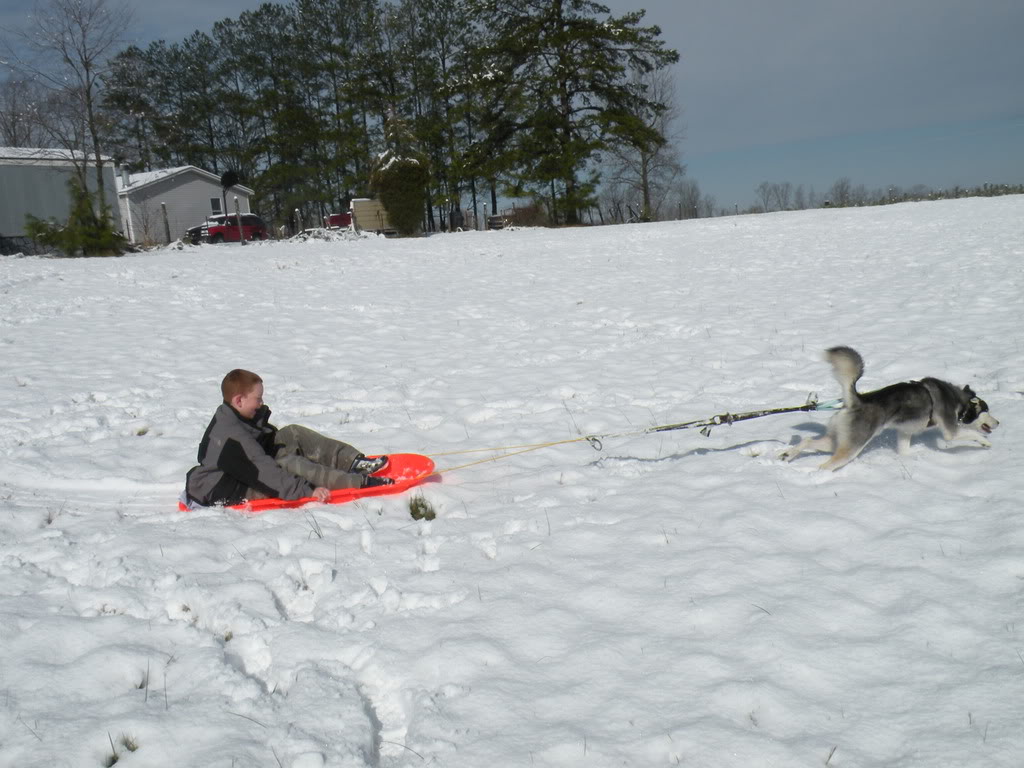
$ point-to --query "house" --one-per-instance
(35, 181)
(189, 194)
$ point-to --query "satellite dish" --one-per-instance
(229, 179)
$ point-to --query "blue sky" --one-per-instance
(884, 92)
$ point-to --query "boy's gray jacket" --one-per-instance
(236, 455)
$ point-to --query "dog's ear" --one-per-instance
(968, 391)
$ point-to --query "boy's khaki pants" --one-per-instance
(321, 460)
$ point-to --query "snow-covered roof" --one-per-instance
(148, 177)
(139, 180)
(42, 155)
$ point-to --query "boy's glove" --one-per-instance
(373, 482)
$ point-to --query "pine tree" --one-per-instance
(559, 92)
(128, 101)
(87, 232)
(438, 37)
(191, 124)
(400, 177)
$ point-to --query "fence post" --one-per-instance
(238, 217)
(167, 226)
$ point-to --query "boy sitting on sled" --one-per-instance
(243, 457)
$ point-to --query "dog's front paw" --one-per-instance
(961, 439)
(789, 454)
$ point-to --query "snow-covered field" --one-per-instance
(671, 600)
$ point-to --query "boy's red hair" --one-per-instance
(238, 382)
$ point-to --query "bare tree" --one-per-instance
(19, 121)
(66, 48)
(688, 192)
(650, 174)
(765, 195)
(839, 195)
(781, 193)
(799, 199)
(707, 206)
(613, 205)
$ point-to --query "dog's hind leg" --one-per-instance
(823, 443)
(844, 454)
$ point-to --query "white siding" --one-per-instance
(122, 208)
(187, 196)
(41, 188)
(370, 216)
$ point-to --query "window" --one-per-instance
(215, 204)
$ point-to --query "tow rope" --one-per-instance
(596, 441)
(812, 404)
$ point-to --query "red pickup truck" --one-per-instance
(224, 228)
(338, 220)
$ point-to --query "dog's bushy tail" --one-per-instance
(847, 367)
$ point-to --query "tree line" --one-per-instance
(553, 101)
(784, 196)
(518, 98)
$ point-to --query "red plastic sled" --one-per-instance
(406, 469)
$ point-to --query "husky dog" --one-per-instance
(910, 407)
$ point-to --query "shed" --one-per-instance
(370, 216)
(190, 194)
(34, 181)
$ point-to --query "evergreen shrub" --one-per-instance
(84, 234)
(399, 179)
